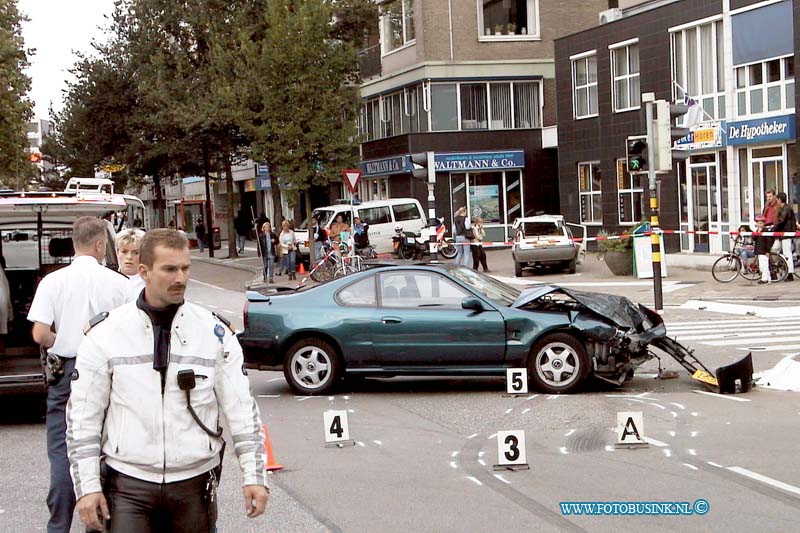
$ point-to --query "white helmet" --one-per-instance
(398, 228)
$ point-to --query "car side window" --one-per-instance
(405, 212)
(410, 289)
(359, 294)
(375, 215)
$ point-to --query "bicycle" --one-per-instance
(728, 267)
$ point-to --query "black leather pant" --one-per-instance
(138, 506)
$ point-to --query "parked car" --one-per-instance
(27, 261)
(546, 240)
(444, 320)
(20, 235)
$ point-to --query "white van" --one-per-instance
(381, 215)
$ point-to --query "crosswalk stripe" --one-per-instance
(712, 334)
(786, 348)
(732, 323)
(753, 342)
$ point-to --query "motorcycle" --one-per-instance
(410, 245)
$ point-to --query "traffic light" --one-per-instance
(636, 150)
(423, 166)
(665, 134)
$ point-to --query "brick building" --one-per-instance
(733, 61)
(473, 82)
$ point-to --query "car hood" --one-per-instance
(618, 309)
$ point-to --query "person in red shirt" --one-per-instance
(770, 211)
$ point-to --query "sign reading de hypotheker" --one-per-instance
(351, 178)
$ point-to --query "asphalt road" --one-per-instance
(425, 447)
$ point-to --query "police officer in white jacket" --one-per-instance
(151, 379)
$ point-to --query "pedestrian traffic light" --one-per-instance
(423, 166)
(636, 150)
(665, 134)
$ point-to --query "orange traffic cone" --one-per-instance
(271, 464)
(301, 269)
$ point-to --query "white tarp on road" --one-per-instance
(783, 376)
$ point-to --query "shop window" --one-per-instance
(508, 19)
(630, 195)
(513, 195)
(698, 67)
(589, 192)
(584, 86)
(486, 197)
(625, 77)
(765, 87)
(397, 24)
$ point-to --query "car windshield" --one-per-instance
(534, 229)
(496, 291)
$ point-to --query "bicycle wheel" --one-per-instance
(343, 271)
(726, 268)
(778, 268)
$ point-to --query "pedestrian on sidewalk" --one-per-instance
(318, 236)
(462, 228)
(478, 253)
(269, 243)
(785, 221)
(242, 225)
(287, 245)
(200, 232)
(762, 247)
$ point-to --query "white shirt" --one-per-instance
(135, 285)
(71, 296)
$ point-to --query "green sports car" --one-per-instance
(444, 320)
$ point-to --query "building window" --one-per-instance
(589, 192)
(625, 77)
(698, 67)
(495, 105)
(584, 86)
(630, 195)
(765, 87)
(393, 114)
(397, 24)
(415, 109)
(508, 19)
(473, 106)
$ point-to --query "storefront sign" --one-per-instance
(761, 130)
(263, 183)
(702, 136)
(479, 160)
(262, 169)
(388, 165)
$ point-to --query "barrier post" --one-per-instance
(649, 99)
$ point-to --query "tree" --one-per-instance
(15, 107)
(294, 80)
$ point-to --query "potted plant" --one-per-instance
(512, 28)
(617, 253)
(498, 29)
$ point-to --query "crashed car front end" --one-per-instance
(615, 332)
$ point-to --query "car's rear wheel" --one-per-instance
(572, 265)
(518, 269)
(312, 366)
(558, 364)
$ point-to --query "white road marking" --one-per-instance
(379, 443)
(609, 448)
(748, 336)
(667, 453)
(269, 395)
(206, 284)
(731, 322)
(482, 462)
(630, 396)
(554, 397)
(722, 396)
(302, 398)
(212, 306)
(678, 405)
(481, 453)
(570, 432)
(501, 478)
(671, 433)
(695, 413)
(528, 409)
(790, 349)
(753, 342)
(689, 465)
(509, 410)
(563, 450)
(228, 311)
(493, 435)
(692, 452)
(274, 379)
(655, 442)
(674, 414)
(531, 397)
(351, 410)
(693, 433)
(453, 465)
(454, 454)
(738, 309)
(764, 479)
(712, 463)
(472, 436)
(659, 406)
(475, 480)
(361, 444)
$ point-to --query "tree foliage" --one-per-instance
(15, 107)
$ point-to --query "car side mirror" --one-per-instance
(472, 303)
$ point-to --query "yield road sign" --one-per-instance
(351, 178)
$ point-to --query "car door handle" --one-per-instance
(391, 320)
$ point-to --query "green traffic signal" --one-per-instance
(636, 151)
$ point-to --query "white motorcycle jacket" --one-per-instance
(117, 406)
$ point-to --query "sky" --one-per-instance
(56, 29)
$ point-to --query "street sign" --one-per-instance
(351, 178)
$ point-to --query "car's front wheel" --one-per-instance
(558, 364)
(312, 366)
